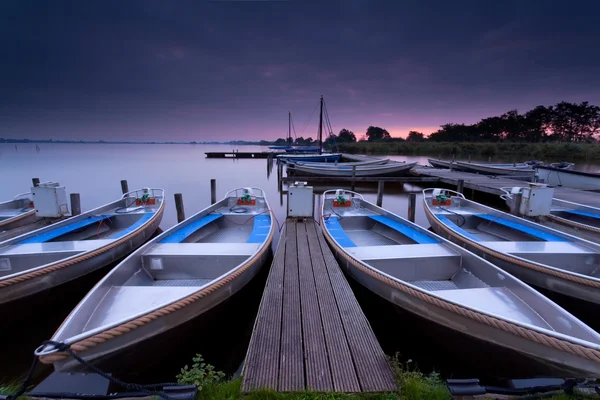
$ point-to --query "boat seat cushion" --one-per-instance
(337, 232)
(260, 231)
(547, 236)
(63, 230)
(136, 225)
(406, 230)
(181, 234)
(455, 227)
(583, 213)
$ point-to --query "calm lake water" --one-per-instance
(95, 171)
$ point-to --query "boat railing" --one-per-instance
(435, 191)
(354, 194)
(241, 190)
(26, 195)
(138, 193)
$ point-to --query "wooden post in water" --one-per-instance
(124, 186)
(412, 202)
(179, 207)
(489, 159)
(469, 157)
(279, 175)
(380, 193)
(460, 185)
(36, 182)
(75, 204)
(213, 191)
(353, 177)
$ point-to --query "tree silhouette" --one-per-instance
(375, 133)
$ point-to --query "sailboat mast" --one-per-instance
(289, 139)
(321, 128)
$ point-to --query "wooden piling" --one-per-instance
(124, 186)
(380, 185)
(412, 203)
(460, 185)
(75, 204)
(179, 207)
(279, 175)
(353, 177)
(213, 191)
(36, 182)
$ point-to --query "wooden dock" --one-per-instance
(489, 184)
(239, 154)
(310, 332)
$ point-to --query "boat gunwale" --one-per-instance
(455, 247)
(88, 335)
(595, 282)
(74, 259)
(22, 215)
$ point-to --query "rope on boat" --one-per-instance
(19, 217)
(86, 256)
(559, 344)
(522, 263)
(126, 327)
(573, 223)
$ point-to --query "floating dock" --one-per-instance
(492, 184)
(240, 154)
(310, 332)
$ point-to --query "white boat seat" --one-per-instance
(203, 249)
(400, 251)
(9, 213)
(54, 247)
(538, 247)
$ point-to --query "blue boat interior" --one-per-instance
(104, 226)
(582, 213)
(483, 227)
(184, 232)
(374, 230)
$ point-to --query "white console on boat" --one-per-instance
(50, 200)
(300, 200)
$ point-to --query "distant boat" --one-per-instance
(280, 147)
(388, 169)
(178, 276)
(515, 170)
(70, 249)
(17, 212)
(541, 256)
(441, 163)
(377, 161)
(441, 282)
(323, 157)
(568, 178)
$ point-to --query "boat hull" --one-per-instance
(511, 265)
(122, 346)
(369, 171)
(549, 360)
(81, 265)
(441, 163)
(522, 173)
(310, 157)
(567, 178)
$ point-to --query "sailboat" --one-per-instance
(289, 136)
(320, 156)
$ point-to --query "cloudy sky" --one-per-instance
(224, 70)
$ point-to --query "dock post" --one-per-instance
(489, 159)
(124, 186)
(460, 185)
(469, 157)
(75, 204)
(412, 202)
(36, 182)
(353, 178)
(279, 176)
(179, 207)
(213, 191)
(380, 193)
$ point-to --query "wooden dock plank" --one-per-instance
(291, 373)
(373, 370)
(318, 373)
(340, 359)
(261, 369)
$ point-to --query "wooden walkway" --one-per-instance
(485, 183)
(310, 333)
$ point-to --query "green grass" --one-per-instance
(9, 388)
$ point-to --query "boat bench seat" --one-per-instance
(401, 251)
(261, 229)
(64, 229)
(406, 230)
(549, 237)
(203, 249)
(73, 246)
(181, 234)
(337, 232)
(582, 213)
(455, 227)
(538, 247)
